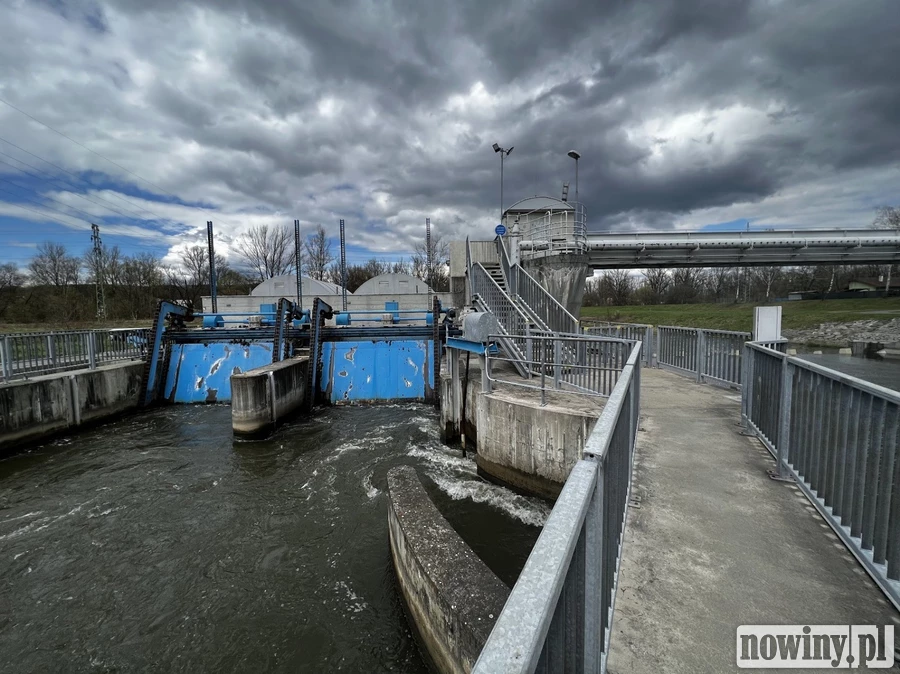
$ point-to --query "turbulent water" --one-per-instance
(158, 542)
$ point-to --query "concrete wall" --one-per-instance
(38, 408)
(451, 597)
(563, 276)
(263, 396)
(517, 441)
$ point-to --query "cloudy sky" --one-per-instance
(164, 114)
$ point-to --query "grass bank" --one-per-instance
(799, 314)
(9, 328)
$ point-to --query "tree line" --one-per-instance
(723, 284)
(60, 287)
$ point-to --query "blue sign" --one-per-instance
(500, 230)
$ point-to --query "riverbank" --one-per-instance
(797, 315)
(841, 334)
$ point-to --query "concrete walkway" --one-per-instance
(715, 543)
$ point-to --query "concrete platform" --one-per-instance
(715, 543)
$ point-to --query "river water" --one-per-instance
(882, 371)
(158, 542)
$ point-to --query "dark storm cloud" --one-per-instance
(677, 106)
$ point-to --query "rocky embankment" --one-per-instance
(841, 334)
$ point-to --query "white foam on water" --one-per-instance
(355, 604)
(370, 489)
(41, 524)
(528, 510)
(22, 517)
(442, 458)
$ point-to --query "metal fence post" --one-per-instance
(91, 349)
(784, 431)
(543, 373)
(529, 350)
(594, 536)
(51, 350)
(747, 386)
(701, 353)
(485, 373)
(5, 365)
(557, 358)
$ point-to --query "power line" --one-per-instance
(74, 175)
(50, 178)
(85, 147)
(160, 189)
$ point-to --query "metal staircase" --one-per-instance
(522, 306)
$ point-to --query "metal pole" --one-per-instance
(501, 186)
(784, 433)
(576, 181)
(343, 267)
(212, 267)
(297, 264)
(429, 275)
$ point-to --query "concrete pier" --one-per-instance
(451, 596)
(263, 396)
(714, 543)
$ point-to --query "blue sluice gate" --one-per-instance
(364, 371)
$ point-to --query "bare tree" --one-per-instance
(686, 285)
(766, 277)
(437, 275)
(141, 276)
(11, 279)
(318, 254)
(268, 251)
(53, 266)
(658, 281)
(193, 276)
(616, 285)
(887, 217)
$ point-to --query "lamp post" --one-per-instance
(576, 156)
(503, 153)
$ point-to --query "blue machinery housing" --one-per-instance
(353, 363)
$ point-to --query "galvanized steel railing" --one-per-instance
(559, 613)
(554, 232)
(24, 354)
(712, 356)
(489, 296)
(837, 436)
(546, 308)
(637, 332)
(576, 364)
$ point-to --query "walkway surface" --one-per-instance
(715, 543)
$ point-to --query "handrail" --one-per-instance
(837, 436)
(641, 332)
(35, 353)
(713, 356)
(510, 317)
(567, 363)
(576, 556)
(554, 314)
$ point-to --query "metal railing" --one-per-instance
(554, 232)
(483, 252)
(489, 296)
(837, 436)
(558, 616)
(24, 354)
(547, 309)
(577, 364)
(637, 332)
(712, 356)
